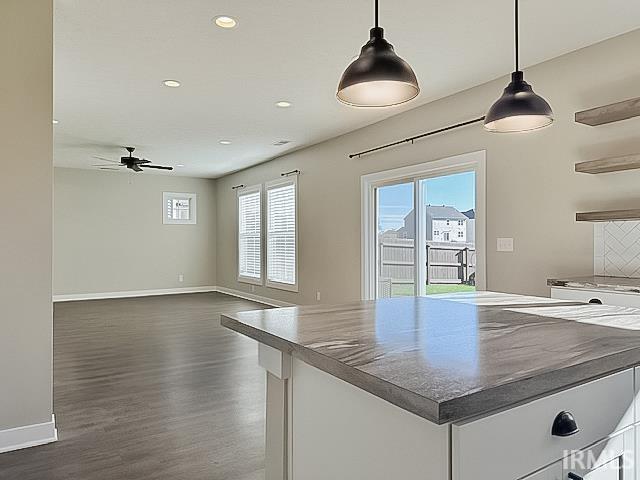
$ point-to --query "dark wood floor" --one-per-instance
(150, 388)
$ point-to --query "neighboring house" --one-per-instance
(471, 225)
(444, 224)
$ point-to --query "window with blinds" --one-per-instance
(249, 235)
(281, 234)
(179, 208)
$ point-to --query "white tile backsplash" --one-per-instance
(598, 248)
(616, 249)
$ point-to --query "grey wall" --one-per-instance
(532, 190)
(26, 52)
(109, 235)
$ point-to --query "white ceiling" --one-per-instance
(111, 57)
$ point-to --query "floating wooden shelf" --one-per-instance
(609, 216)
(610, 113)
(612, 164)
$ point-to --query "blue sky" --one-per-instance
(397, 200)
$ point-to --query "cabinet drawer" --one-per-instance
(610, 459)
(552, 472)
(596, 296)
(515, 442)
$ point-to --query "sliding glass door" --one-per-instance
(395, 235)
(448, 209)
(426, 231)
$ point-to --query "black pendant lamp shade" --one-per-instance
(519, 109)
(378, 77)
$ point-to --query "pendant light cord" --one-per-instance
(376, 13)
(517, 38)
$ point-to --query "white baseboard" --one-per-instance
(255, 298)
(28, 436)
(170, 291)
(131, 293)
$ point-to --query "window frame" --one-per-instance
(239, 193)
(193, 208)
(290, 180)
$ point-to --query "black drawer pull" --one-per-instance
(574, 476)
(596, 300)
(564, 425)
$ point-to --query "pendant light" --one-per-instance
(378, 77)
(519, 109)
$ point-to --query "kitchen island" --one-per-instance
(467, 386)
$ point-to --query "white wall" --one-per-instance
(109, 235)
(532, 190)
(26, 52)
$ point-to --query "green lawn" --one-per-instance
(407, 290)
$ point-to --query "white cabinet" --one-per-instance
(619, 299)
(610, 459)
(600, 408)
(552, 472)
(637, 450)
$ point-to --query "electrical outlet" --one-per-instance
(181, 278)
(504, 245)
(318, 296)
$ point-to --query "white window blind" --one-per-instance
(281, 233)
(179, 208)
(249, 233)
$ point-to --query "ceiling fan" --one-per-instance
(131, 162)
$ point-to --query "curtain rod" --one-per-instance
(417, 137)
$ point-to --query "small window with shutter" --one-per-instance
(250, 235)
(179, 208)
(281, 233)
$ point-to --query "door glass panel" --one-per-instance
(448, 206)
(395, 232)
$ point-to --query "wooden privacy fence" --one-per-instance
(447, 263)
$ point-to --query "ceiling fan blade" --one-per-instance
(135, 168)
(105, 159)
(158, 167)
(143, 160)
(108, 168)
(115, 166)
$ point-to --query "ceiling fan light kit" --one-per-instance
(130, 162)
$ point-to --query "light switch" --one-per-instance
(505, 245)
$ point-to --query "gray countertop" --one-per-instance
(453, 357)
(598, 282)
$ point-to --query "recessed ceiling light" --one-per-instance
(225, 142)
(171, 83)
(54, 121)
(283, 104)
(179, 165)
(225, 21)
